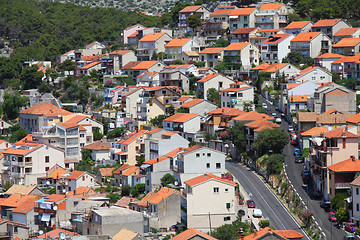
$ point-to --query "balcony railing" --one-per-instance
(43, 210)
(342, 185)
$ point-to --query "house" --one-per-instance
(13, 230)
(4, 127)
(174, 77)
(115, 60)
(263, 34)
(242, 18)
(272, 15)
(103, 174)
(162, 208)
(313, 74)
(346, 33)
(211, 56)
(219, 119)
(189, 56)
(51, 176)
(238, 96)
(4, 145)
(100, 152)
(123, 175)
(176, 46)
(188, 124)
(221, 15)
(24, 163)
(276, 48)
(84, 192)
(197, 106)
(152, 43)
(253, 128)
(135, 68)
(347, 46)
(243, 34)
(355, 186)
(329, 26)
(268, 233)
(245, 54)
(184, 68)
(347, 67)
(354, 121)
(297, 103)
(325, 60)
(341, 175)
(56, 233)
(214, 80)
(148, 79)
(23, 190)
(314, 132)
(297, 27)
(221, 208)
(286, 69)
(249, 117)
(74, 180)
(311, 44)
(192, 233)
(196, 160)
(333, 96)
(330, 150)
(88, 68)
(131, 30)
(124, 202)
(126, 234)
(128, 101)
(108, 220)
(129, 149)
(191, 10)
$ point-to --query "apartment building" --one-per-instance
(237, 96)
(270, 16)
(297, 27)
(276, 48)
(329, 26)
(311, 44)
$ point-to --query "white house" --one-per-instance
(243, 53)
(198, 106)
(297, 27)
(73, 180)
(214, 80)
(276, 48)
(311, 44)
(325, 60)
(100, 152)
(313, 74)
(188, 124)
(237, 96)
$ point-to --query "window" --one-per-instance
(357, 191)
(76, 203)
(357, 207)
(216, 190)
(227, 205)
(240, 94)
(147, 182)
(67, 165)
(220, 84)
(82, 135)
(218, 165)
(209, 154)
(15, 229)
(207, 165)
(226, 218)
(313, 78)
(198, 155)
(226, 190)
(83, 178)
(46, 169)
(47, 159)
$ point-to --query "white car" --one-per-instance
(291, 128)
(278, 120)
(257, 213)
(264, 105)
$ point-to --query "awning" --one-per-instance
(45, 217)
(145, 166)
(233, 17)
(5, 168)
(318, 141)
(45, 205)
(126, 122)
(41, 200)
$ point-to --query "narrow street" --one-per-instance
(264, 198)
(293, 171)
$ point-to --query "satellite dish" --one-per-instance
(47, 182)
(62, 235)
(64, 191)
(41, 232)
(59, 116)
(176, 183)
(55, 208)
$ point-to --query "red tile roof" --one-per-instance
(271, 6)
(55, 233)
(221, 12)
(261, 66)
(298, 98)
(274, 67)
(329, 55)
(347, 42)
(192, 234)
(190, 9)
(119, 52)
(244, 30)
(251, 116)
(326, 22)
(340, 133)
(105, 172)
(124, 201)
(75, 174)
(97, 146)
(345, 32)
(297, 25)
(212, 50)
(276, 38)
(315, 131)
(46, 109)
(130, 171)
(90, 65)
(145, 65)
(241, 11)
(208, 77)
(207, 177)
(236, 46)
(354, 119)
(155, 160)
(174, 152)
(349, 165)
(122, 168)
(151, 37)
(192, 103)
(134, 135)
(155, 130)
(235, 89)
(178, 42)
(190, 149)
(162, 194)
(286, 234)
(305, 36)
(181, 117)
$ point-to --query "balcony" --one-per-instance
(342, 185)
(179, 170)
(43, 210)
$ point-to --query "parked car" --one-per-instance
(297, 151)
(325, 204)
(292, 133)
(250, 203)
(291, 128)
(257, 213)
(294, 141)
(349, 237)
(317, 194)
(273, 114)
(332, 217)
(298, 159)
(278, 120)
(264, 105)
(350, 227)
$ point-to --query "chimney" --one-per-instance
(241, 234)
(157, 159)
(103, 190)
(352, 157)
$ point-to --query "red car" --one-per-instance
(350, 227)
(250, 203)
(332, 217)
(292, 133)
(294, 141)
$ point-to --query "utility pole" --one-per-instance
(210, 222)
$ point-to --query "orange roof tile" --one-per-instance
(274, 67)
(184, 98)
(260, 122)
(307, 116)
(68, 124)
(150, 37)
(349, 165)
(130, 65)
(181, 117)
(329, 55)
(337, 92)
(252, 115)
(276, 38)
(145, 65)
(241, 11)
(286, 234)
(124, 201)
(177, 42)
(326, 22)
(170, 133)
(297, 24)
(161, 194)
(190, 149)
(235, 89)
(46, 109)
(25, 204)
(190, 9)
(208, 77)
(144, 202)
(261, 66)
(54, 197)
(105, 172)
(90, 65)
(130, 171)
(212, 50)
(119, 52)
(354, 119)
(155, 130)
(331, 111)
(57, 173)
(298, 98)
(68, 52)
(192, 103)
(244, 30)
(192, 233)
(348, 59)
(55, 233)
(122, 168)
(271, 6)
(292, 85)
(236, 46)
(174, 152)
(221, 12)
(305, 36)
(155, 160)
(340, 133)
(135, 135)
(91, 58)
(75, 174)
(347, 42)
(315, 131)
(174, 66)
(345, 32)
(97, 146)
(21, 151)
(206, 177)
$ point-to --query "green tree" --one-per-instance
(31, 77)
(86, 163)
(125, 190)
(338, 201)
(170, 110)
(194, 20)
(296, 58)
(140, 160)
(116, 132)
(158, 120)
(349, 83)
(230, 231)
(167, 179)
(17, 135)
(213, 96)
(237, 136)
(67, 66)
(270, 140)
(11, 104)
(274, 164)
(97, 135)
(342, 215)
(247, 106)
(7, 185)
(113, 197)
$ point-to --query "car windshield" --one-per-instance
(333, 214)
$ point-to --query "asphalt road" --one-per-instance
(293, 171)
(264, 198)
